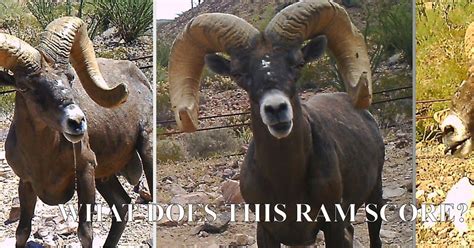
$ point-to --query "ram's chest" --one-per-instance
(39, 159)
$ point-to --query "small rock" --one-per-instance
(228, 172)
(388, 234)
(175, 221)
(235, 164)
(392, 192)
(14, 214)
(176, 189)
(357, 244)
(168, 179)
(242, 239)
(66, 228)
(108, 33)
(41, 233)
(191, 198)
(408, 185)
(231, 191)
(145, 196)
(394, 59)
(196, 230)
(219, 225)
(203, 234)
(219, 201)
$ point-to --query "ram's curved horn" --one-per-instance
(306, 19)
(469, 47)
(65, 39)
(206, 33)
(15, 54)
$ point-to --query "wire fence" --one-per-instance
(428, 102)
(246, 124)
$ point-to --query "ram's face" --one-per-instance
(269, 73)
(48, 95)
(458, 125)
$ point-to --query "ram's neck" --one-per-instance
(285, 158)
(32, 129)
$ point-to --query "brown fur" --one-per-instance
(43, 159)
(334, 155)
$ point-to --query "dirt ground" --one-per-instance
(207, 176)
(49, 229)
(436, 174)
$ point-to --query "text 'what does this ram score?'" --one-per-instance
(271, 213)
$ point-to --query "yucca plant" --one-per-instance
(131, 17)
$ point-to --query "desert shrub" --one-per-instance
(161, 74)
(390, 26)
(114, 53)
(169, 150)
(392, 112)
(218, 82)
(17, 22)
(6, 102)
(46, 11)
(211, 143)
(321, 73)
(163, 104)
(131, 17)
(261, 20)
(162, 53)
(244, 134)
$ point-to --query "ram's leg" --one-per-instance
(27, 210)
(86, 196)
(334, 234)
(376, 199)
(115, 195)
(349, 235)
(265, 239)
(145, 150)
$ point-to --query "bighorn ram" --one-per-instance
(55, 106)
(327, 150)
(458, 126)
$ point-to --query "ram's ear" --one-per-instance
(218, 64)
(6, 79)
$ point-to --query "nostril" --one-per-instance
(268, 109)
(75, 124)
(448, 129)
(282, 107)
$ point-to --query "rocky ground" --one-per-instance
(49, 228)
(207, 181)
(436, 174)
